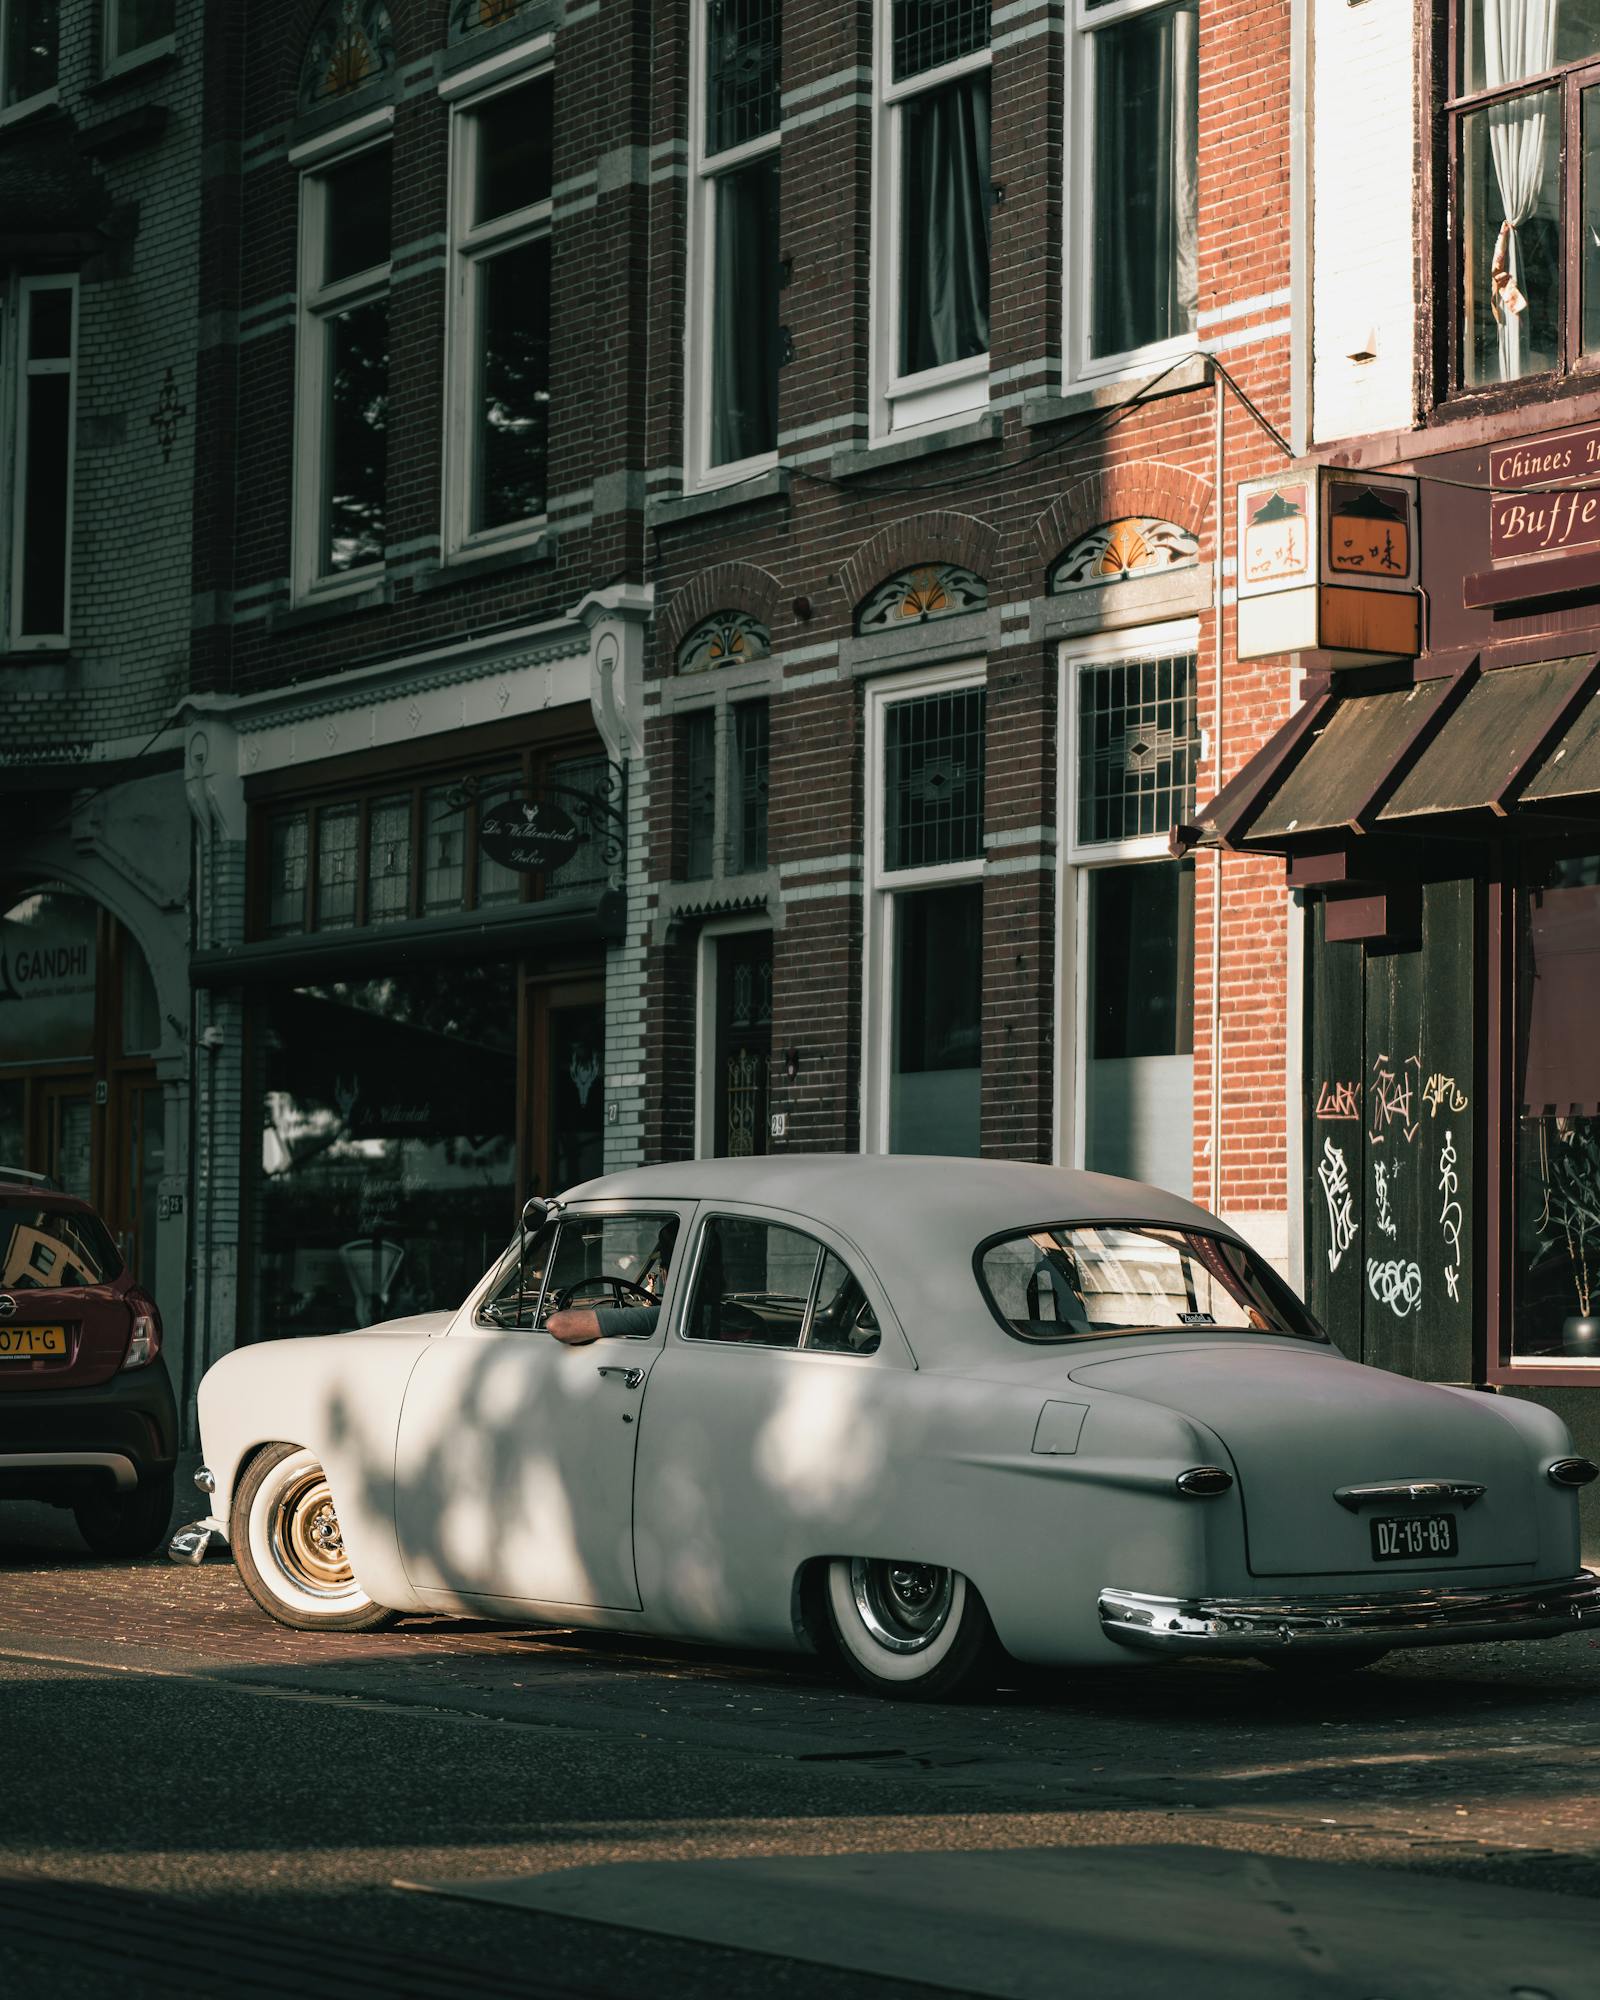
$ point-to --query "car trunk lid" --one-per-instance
(1302, 1423)
(66, 1339)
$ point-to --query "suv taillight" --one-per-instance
(146, 1342)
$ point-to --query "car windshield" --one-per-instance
(41, 1249)
(1083, 1280)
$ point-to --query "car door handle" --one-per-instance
(631, 1377)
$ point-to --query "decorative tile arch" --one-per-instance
(1145, 489)
(913, 596)
(351, 43)
(725, 639)
(724, 587)
(916, 542)
(468, 16)
(1136, 545)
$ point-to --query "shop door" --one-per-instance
(1391, 1119)
(743, 1044)
(137, 1130)
(567, 1098)
(66, 1113)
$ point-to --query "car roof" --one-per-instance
(918, 1217)
(57, 1200)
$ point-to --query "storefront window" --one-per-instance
(47, 978)
(387, 1174)
(1557, 1300)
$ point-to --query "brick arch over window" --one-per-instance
(923, 538)
(1151, 490)
(729, 586)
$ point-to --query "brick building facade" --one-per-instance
(1031, 517)
(419, 601)
(100, 169)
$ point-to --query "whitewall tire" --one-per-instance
(910, 1630)
(287, 1542)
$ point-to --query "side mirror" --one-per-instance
(534, 1212)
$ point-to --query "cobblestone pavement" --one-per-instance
(288, 1780)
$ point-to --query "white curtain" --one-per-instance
(1519, 39)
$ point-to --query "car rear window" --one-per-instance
(41, 1249)
(1085, 1281)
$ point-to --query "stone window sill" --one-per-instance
(139, 67)
(321, 611)
(1052, 406)
(852, 461)
(669, 512)
(486, 562)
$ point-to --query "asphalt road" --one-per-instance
(198, 1801)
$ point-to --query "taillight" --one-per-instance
(146, 1342)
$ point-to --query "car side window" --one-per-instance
(760, 1284)
(842, 1319)
(583, 1260)
(513, 1299)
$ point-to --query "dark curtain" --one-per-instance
(1143, 287)
(1561, 947)
(744, 331)
(944, 245)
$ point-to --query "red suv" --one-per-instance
(87, 1417)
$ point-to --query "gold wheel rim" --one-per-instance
(307, 1541)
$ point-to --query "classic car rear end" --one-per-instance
(87, 1418)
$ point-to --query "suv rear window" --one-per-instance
(1088, 1281)
(43, 1249)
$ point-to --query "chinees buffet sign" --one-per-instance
(1545, 495)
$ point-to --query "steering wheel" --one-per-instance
(560, 1300)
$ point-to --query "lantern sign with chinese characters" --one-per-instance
(1328, 562)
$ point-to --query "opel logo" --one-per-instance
(8, 1305)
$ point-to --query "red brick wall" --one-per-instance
(1033, 489)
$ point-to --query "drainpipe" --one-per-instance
(1214, 1202)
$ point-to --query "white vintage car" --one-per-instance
(905, 1409)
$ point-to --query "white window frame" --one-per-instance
(1084, 21)
(1077, 857)
(115, 58)
(51, 94)
(936, 397)
(469, 246)
(705, 1022)
(315, 305)
(705, 171)
(880, 886)
(14, 437)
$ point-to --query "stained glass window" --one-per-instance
(468, 16)
(928, 33)
(932, 590)
(1134, 546)
(700, 789)
(287, 844)
(352, 43)
(747, 793)
(1137, 747)
(744, 49)
(727, 639)
(443, 849)
(933, 779)
(388, 860)
(496, 882)
(338, 838)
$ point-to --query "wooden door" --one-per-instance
(743, 1045)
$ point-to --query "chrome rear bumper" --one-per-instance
(1228, 1627)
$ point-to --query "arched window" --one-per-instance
(1134, 546)
(725, 639)
(352, 43)
(467, 16)
(913, 596)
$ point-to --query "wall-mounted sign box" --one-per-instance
(1328, 561)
